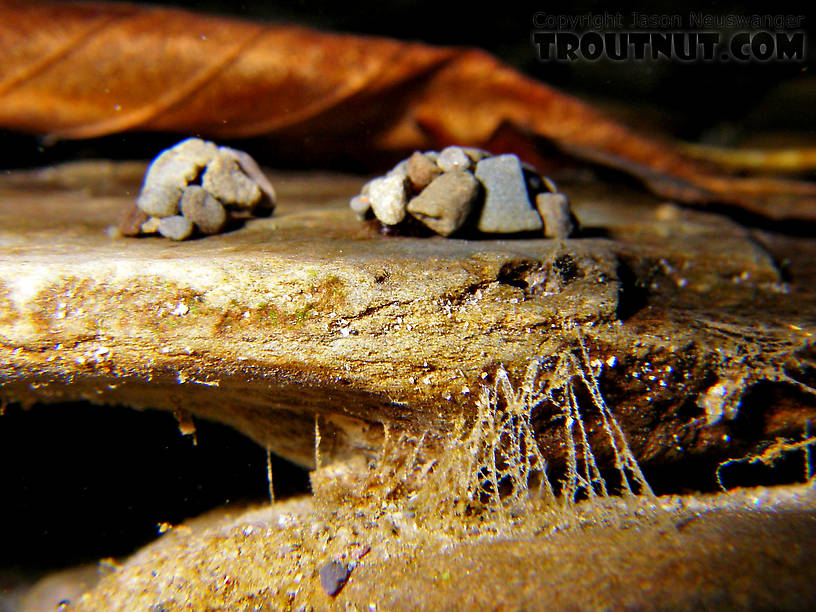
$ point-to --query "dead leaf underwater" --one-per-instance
(87, 70)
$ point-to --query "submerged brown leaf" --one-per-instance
(87, 70)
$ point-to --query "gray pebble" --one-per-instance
(170, 172)
(202, 209)
(176, 227)
(445, 204)
(151, 226)
(476, 154)
(454, 158)
(158, 200)
(388, 199)
(225, 180)
(421, 171)
(254, 172)
(333, 577)
(554, 208)
(131, 223)
(507, 207)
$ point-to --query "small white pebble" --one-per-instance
(180, 310)
(454, 158)
(388, 199)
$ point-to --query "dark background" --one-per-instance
(80, 482)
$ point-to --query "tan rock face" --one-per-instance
(627, 554)
(310, 312)
(310, 326)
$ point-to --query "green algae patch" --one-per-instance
(303, 305)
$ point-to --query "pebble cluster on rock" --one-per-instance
(197, 185)
(455, 188)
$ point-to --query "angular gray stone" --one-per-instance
(333, 577)
(388, 198)
(176, 227)
(421, 170)
(201, 208)
(476, 154)
(170, 172)
(454, 158)
(507, 207)
(445, 204)
(225, 180)
(554, 209)
(556, 212)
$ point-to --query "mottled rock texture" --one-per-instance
(741, 551)
(700, 342)
(310, 312)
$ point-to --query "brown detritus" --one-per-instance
(329, 293)
(186, 424)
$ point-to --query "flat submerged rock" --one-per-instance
(695, 335)
(745, 550)
(309, 313)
